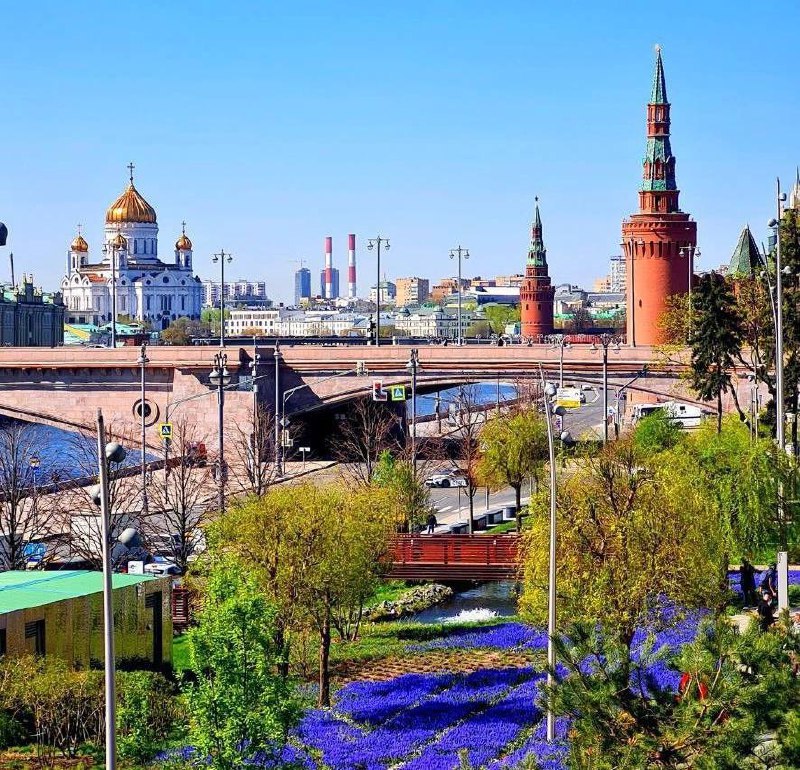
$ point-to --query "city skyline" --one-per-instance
(285, 132)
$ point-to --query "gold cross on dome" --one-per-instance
(130, 168)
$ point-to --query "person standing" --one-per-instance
(769, 584)
(431, 522)
(748, 579)
(765, 616)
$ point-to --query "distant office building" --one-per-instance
(411, 291)
(509, 280)
(243, 291)
(388, 293)
(29, 317)
(334, 291)
(302, 286)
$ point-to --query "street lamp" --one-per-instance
(371, 244)
(222, 257)
(107, 454)
(566, 438)
(458, 252)
(219, 378)
(256, 426)
(278, 416)
(559, 341)
(114, 246)
(413, 365)
(690, 252)
(143, 360)
(606, 340)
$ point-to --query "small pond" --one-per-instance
(483, 602)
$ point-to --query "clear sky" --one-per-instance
(269, 125)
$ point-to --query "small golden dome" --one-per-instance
(79, 244)
(119, 241)
(183, 243)
(130, 207)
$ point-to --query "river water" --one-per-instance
(485, 601)
(475, 393)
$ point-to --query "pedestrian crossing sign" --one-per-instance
(165, 430)
(398, 392)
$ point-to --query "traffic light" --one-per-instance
(371, 337)
(378, 393)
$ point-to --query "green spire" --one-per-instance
(659, 93)
(745, 261)
(537, 253)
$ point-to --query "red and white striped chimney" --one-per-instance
(351, 266)
(329, 267)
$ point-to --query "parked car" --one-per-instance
(161, 566)
(453, 478)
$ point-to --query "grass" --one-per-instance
(180, 652)
(501, 529)
(388, 591)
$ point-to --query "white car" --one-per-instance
(161, 566)
(446, 479)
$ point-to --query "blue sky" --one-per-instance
(267, 126)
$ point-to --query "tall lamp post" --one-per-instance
(143, 360)
(549, 392)
(219, 378)
(413, 367)
(780, 410)
(606, 340)
(256, 425)
(222, 257)
(278, 416)
(690, 252)
(458, 253)
(559, 341)
(106, 454)
(376, 243)
(113, 247)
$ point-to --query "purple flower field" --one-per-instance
(735, 581)
(422, 721)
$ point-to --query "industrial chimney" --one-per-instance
(329, 268)
(351, 266)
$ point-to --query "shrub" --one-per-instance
(12, 732)
(147, 712)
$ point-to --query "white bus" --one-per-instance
(680, 415)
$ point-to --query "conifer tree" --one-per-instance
(715, 340)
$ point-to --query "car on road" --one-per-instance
(453, 478)
(161, 566)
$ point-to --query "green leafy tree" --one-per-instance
(316, 552)
(238, 705)
(624, 716)
(499, 316)
(513, 448)
(716, 340)
(656, 433)
(411, 498)
(630, 534)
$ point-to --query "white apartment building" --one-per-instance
(281, 322)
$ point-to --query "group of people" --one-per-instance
(766, 600)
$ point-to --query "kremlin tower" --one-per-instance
(659, 239)
(536, 293)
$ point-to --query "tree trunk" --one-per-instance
(324, 658)
(283, 649)
(471, 521)
(719, 411)
(518, 504)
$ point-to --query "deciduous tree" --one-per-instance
(512, 448)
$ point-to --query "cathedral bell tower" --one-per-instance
(536, 292)
(660, 238)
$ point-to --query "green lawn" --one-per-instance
(180, 652)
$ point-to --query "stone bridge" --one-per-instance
(65, 386)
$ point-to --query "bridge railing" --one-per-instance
(478, 550)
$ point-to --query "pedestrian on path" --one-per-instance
(769, 583)
(748, 575)
(431, 521)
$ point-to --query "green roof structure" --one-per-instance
(659, 93)
(746, 260)
(537, 253)
(20, 590)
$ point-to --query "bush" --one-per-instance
(12, 733)
(147, 712)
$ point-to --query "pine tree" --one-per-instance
(715, 340)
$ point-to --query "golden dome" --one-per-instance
(119, 241)
(79, 244)
(130, 207)
(183, 243)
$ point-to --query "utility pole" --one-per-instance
(222, 257)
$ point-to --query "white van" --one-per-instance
(680, 415)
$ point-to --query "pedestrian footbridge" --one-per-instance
(454, 557)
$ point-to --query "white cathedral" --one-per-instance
(146, 288)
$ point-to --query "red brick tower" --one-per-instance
(660, 239)
(536, 293)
